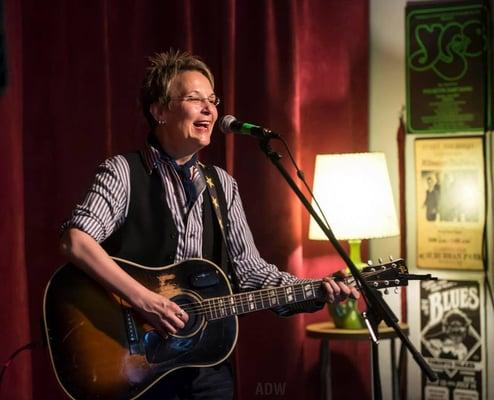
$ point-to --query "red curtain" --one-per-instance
(298, 67)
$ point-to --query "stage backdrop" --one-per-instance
(298, 67)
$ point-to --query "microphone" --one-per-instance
(230, 124)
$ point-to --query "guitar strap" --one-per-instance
(218, 202)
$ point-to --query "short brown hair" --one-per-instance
(163, 68)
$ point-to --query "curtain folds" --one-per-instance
(14, 318)
(299, 67)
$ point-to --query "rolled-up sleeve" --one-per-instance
(105, 205)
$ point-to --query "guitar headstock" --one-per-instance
(385, 275)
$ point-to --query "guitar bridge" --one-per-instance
(132, 333)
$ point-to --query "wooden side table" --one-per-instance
(326, 331)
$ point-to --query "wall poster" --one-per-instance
(450, 202)
(451, 339)
(448, 67)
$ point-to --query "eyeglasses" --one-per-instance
(197, 101)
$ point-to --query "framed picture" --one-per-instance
(447, 67)
(450, 202)
(452, 339)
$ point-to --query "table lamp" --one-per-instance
(354, 193)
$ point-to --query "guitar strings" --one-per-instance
(219, 304)
(261, 295)
(243, 301)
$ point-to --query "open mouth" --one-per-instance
(202, 124)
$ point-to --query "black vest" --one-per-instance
(149, 236)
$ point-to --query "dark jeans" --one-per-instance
(209, 383)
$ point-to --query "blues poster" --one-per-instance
(450, 330)
(450, 202)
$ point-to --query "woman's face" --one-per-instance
(190, 116)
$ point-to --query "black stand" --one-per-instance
(376, 375)
(378, 310)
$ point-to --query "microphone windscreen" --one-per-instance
(226, 122)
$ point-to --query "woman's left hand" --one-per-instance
(338, 291)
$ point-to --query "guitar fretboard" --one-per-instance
(243, 303)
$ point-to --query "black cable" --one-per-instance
(29, 346)
(301, 176)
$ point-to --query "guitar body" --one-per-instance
(101, 349)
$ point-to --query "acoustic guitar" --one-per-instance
(101, 349)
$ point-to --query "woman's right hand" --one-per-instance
(162, 313)
(82, 250)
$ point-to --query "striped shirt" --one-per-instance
(106, 204)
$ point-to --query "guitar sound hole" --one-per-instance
(162, 350)
(190, 305)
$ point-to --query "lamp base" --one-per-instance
(346, 315)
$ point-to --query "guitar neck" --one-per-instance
(243, 303)
(380, 276)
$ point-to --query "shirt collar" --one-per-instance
(154, 155)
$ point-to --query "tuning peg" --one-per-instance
(396, 290)
(370, 263)
(390, 258)
(380, 260)
(386, 291)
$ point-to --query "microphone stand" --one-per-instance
(377, 310)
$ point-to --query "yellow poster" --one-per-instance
(450, 203)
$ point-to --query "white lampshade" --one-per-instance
(354, 192)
